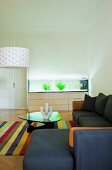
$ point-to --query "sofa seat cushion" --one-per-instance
(94, 121)
(48, 150)
(78, 114)
(108, 108)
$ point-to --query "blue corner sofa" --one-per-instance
(49, 150)
(93, 111)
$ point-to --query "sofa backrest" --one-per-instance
(100, 103)
(108, 108)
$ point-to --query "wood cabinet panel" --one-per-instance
(59, 101)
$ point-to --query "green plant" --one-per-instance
(60, 85)
(46, 86)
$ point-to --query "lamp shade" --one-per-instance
(14, 57)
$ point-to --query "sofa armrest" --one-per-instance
(93, 149)
(74, 129)
(77, 105)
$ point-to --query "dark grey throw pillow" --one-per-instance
(100, 103)
(89, 103)
(108, 108)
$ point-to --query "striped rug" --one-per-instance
(14, 138)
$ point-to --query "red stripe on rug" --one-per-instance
(7, 132)
(72, 123)
(25, 145)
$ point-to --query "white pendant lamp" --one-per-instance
(16, 57)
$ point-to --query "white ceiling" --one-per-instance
(49, 15)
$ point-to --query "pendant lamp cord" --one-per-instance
(14, 37)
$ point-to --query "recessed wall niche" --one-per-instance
(74, 85)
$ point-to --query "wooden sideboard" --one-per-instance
(61, 101)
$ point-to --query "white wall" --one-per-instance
(57, 55)
(100, 51)
(65, 54)
(53, 54)
(60, 52)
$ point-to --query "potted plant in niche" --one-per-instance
(60, 85)
(46, 86)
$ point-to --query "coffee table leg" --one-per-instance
(48, 125)
(29, 122)
(30, 128)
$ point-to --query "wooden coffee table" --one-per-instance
(47, 123)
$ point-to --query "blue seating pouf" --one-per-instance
(49, 150)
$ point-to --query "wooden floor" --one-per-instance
(9, 114)
(15, 162)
